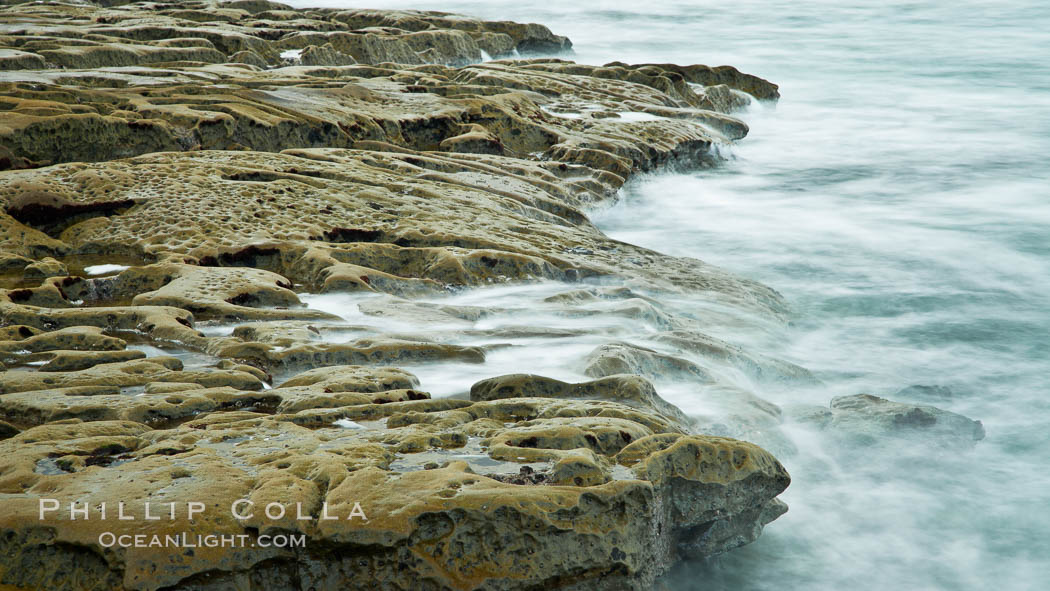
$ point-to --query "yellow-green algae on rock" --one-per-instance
(628, 491)
(215, 160)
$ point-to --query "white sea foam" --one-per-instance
(635, 116)
(348, 424)
(104, 269)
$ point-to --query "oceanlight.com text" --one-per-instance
(188, 540)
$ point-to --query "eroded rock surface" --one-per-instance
(618, 490)
(176, 176)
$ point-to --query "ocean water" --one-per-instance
(898, 196)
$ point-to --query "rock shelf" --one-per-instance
(175, 176)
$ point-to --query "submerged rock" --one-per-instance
(921, 392)
(863, 419)
(620, 358)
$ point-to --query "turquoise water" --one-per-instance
(897, 196)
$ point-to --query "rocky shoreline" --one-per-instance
(175, 176)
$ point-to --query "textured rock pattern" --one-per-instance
(620, 490)
(173, 176)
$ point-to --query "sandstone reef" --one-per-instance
(177, 178)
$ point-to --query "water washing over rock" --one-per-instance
(327, 259)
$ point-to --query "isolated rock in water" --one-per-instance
(867, 420)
